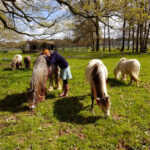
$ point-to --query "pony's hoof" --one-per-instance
(50, 89)
(32, 107)
(92, 110)
(59, 88)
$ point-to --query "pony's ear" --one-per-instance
(29, 90)
(98, 100)
(106, 101)
(106, 98)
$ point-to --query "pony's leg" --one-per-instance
(20, 64)
(92, 98)
(59, 84)
(131, 79)
(57, 79)
(17, 65)
(50, 84)
(123, 77)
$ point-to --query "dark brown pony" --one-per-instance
(96, 73)
(27, 61)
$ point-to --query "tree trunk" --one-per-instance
(109, 40)
(123, 36)
(146, 39)
(141, 38)
(137, 38)
(104, 38)
(92, 42)
(133, 39)
(97, 34)
(129, 39)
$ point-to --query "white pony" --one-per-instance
(126, 67)
(96, 73)
(16, 61)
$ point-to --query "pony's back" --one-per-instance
(17, 57)
(90, 65)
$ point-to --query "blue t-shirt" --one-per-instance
(57, 59)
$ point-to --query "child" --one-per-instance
(65, 73)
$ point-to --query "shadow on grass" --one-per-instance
(14, 103)
(7, 69)
(51, 94)
(68, 109)
(115, 83)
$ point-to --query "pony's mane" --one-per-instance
(39, 74)
(97, 80)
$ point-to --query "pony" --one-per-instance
(54, 73)
(36, 92)
(16, 61)
(126, 67)
(27, 61)
(96, 73)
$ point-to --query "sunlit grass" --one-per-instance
(67, 123)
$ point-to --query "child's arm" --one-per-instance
(47, 60)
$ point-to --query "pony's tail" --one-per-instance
(135, 77)
(96, 80)
(94, 74)
(135, 74)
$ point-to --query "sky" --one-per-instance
(59, 12)
(61, 25)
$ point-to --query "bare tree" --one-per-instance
(18, 15)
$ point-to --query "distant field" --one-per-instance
(67, 123)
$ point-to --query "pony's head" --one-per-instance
(30, 95)
(104, 104)
(13, 64)
(117, 72)
(122, 59)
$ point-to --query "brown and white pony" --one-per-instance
(96, 74)
(27, 61)
(36, 92)
(16, 61)
(54, 74)
(129, 67)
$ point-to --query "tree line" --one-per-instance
(92, 20)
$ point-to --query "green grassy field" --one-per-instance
(67, 123)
